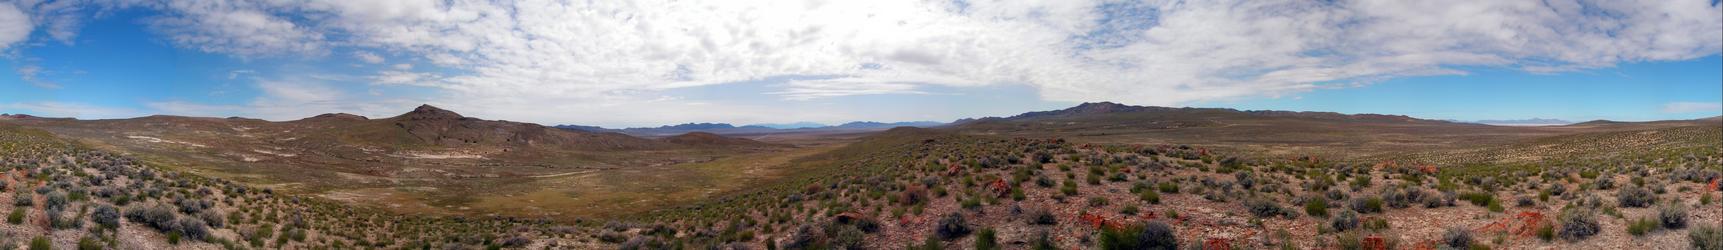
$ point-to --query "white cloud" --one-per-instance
(15, 25)
(31, 74)
(517, 55)
(814, 89)
(240, 28)
(1151, 53)
(368, 57)
(1693, 107)
(292, 98)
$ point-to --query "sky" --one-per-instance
(650, 63)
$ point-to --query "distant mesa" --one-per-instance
(791, 125)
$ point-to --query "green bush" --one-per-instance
(1546, 232)
(1151, 197)
(1154, 235)
(986, 240)
(1641, 226)
(88, 243)
(17, 216)
(1705, 237)
(1097, 201)
(1673, 216)
(41, 243)
(1479, 199)
(1168, 187)
(1317, 207)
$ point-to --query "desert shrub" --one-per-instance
(1546, 232)
(1432, 201)
(1375, 224)
(159, 217)
(1705, 237)
(88, 243)
(1168, 187)
(1042, 241)
(1578, 224)
(913, 195)
(1336, 195)
(23, 199)
(41, 243)
(612, 237)
(952, 226)
(841, 236)
(1396, 198)
(1043, 181)
(986, 240)
(1641, 226)
(1154, 235)
(1634, 197)
(1605, 183)
(644, 242)
(1367, 205)
(1264, 208)
(213, 217)
(1457, 238)
(55, 200)
(1041, 216)
(1150, 197)
(1316, 207)
(16, 217)
(515, 242)
(1345, 220)
(193, 228)
(1673, 216)
(1479, 198)
(106, 216)
(1524, 201)
(1097, 201)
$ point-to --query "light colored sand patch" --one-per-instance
(160, 140)
(449, 155)
(270, 152)
(562, 174)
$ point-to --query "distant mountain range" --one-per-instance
(728, 129)
(791, 125)
(1521, 122)
(1525, 122)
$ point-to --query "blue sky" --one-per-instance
(653, 63)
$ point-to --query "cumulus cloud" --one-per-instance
(813, 89)
(517, 55)
(1693, 107)
(368, 57)
(292, 98)
(15, 25)
(240, 28)
(31, 74)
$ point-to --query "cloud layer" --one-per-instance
(522, 55)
